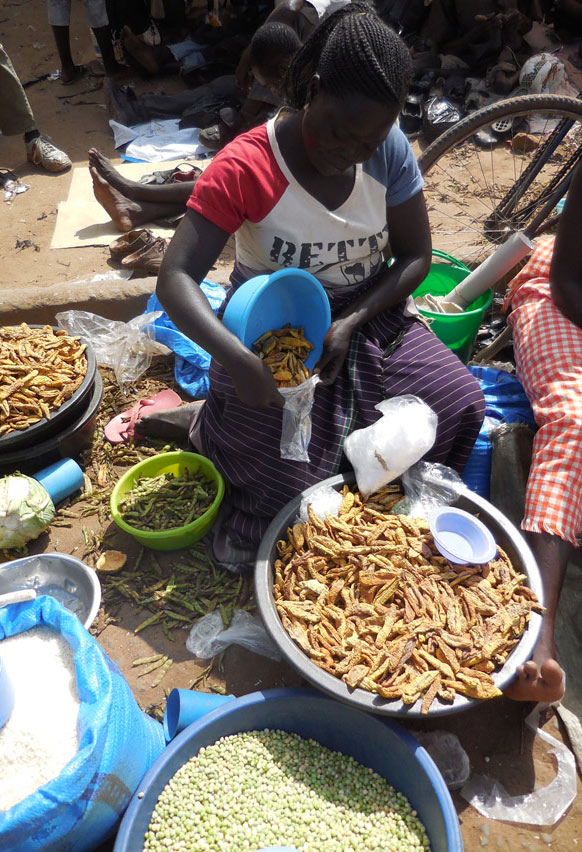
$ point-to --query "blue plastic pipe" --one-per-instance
(185, 706)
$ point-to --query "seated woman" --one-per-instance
(323, 186)
(546, 316)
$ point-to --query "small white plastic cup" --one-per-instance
(460, 537)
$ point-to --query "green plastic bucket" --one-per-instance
(457, 331)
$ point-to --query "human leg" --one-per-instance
(16, 117)
(171, 193)
(127, 214)
(425, 367)
(152, 58)
(59, 15)
(15, 111)
(548, 350)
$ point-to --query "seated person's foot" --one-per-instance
(143, 54)
(173, 423)
(105, 168)
(533, 682)
(41, 152)
(124, 213)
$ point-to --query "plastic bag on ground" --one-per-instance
(427, 486)
(118, 742)
(383, 451)
(449, 755)
(296, 429)
(192, 362)
(209, 636)
(544, 806)
(126, 347)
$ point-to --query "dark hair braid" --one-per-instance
(354, 52)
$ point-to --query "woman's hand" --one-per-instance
(254, 382)
(335, 349)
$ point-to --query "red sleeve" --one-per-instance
(242, 182)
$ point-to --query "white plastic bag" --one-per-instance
(325, 500)
(209, 636)
(543, 806)
(426, 487)
(383, 451)
(296, 429)
(126, 347)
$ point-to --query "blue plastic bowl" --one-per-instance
(382, 745)
(268, 302)
(460, 537)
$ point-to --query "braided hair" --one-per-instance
(354, 52)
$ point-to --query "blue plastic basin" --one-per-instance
(382, 745)
(268, 302)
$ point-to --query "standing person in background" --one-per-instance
(16, 118)
(59, 14)
(546, 317)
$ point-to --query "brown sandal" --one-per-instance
(148, 258)
(130, 243)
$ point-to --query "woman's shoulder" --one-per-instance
(250, 150)
(394, 165)
(242, 182)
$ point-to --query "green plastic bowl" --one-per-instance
(175, 463)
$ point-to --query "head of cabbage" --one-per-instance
(26, 510)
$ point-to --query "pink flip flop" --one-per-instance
(122, 426)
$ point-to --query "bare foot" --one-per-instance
(142, 53)
(124, 213)
(532, 683)
(108, 172)
(172, 423)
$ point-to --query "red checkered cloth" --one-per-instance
(548, 355)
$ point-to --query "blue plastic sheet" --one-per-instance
(118, 743)
(506, 402)
(192, 362)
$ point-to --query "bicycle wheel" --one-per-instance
(477, 194)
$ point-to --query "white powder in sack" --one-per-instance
(40, 737)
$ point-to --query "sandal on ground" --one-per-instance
(131, 242)
(122, 427)
(148, 258)
(412, 113)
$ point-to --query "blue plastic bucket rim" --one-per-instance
(450, 817)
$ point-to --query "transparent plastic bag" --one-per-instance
(209, 636)
(545, 805)
(296, 430)
(449, 755)
(323, 501)
(383, 451)
(126, 347)
(427, 486)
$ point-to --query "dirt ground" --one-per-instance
(75, 117)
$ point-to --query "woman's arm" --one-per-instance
(566, 268)
(410, 242)
(194, 248)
